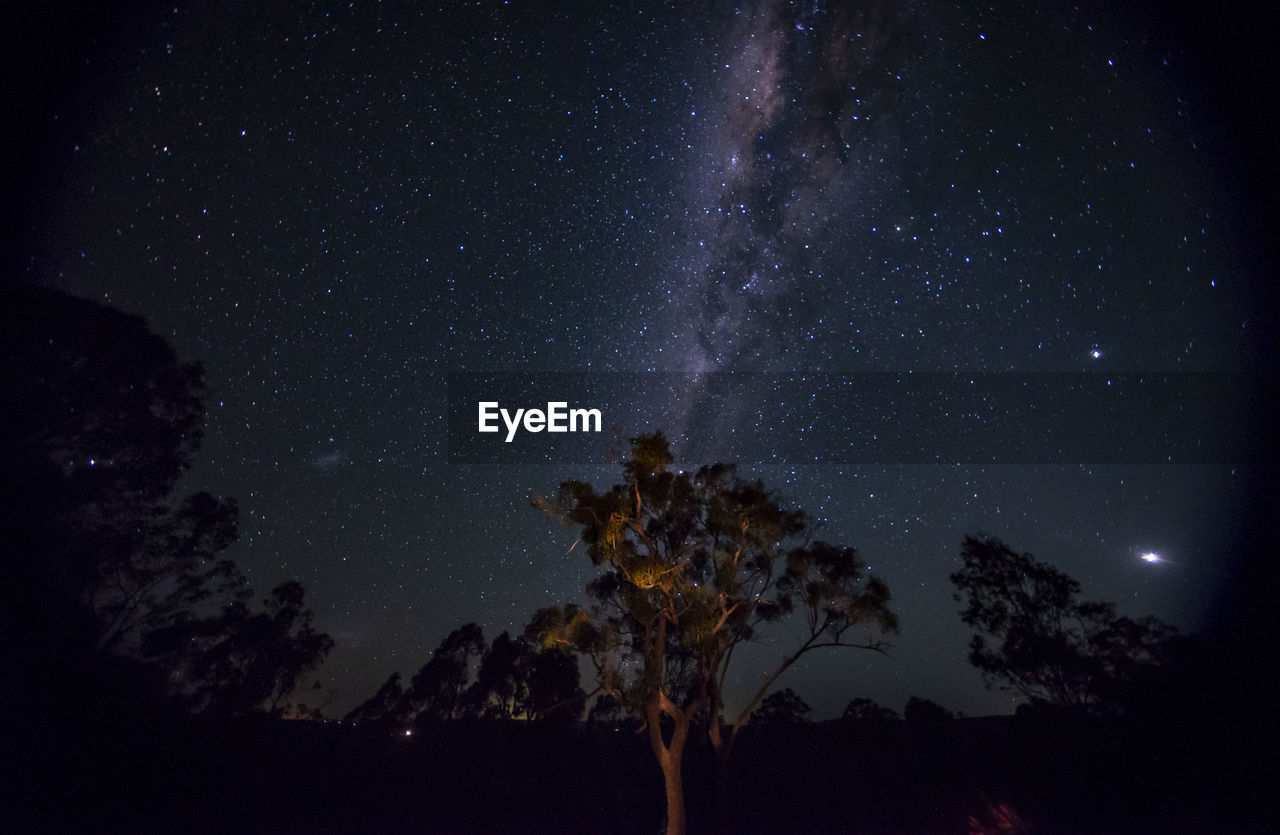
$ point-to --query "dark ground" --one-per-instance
(149, 772)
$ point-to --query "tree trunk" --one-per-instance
(722, 738)
(675, 794)
(670, 756)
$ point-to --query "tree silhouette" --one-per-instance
(150, 578)
(606, 710)
(512, 679)
(102, 423)
(439, 690)
(1032, 635)
(925, 713)
(383, 707)
(554, 691)
(502, 680)
(695, 564)
(238, 661)
(781, 707)
(867, 712)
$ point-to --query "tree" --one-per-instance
(103, 421)
(781, 707)
(511, 679)
(240, 662)
(502, 680)
(862, 711)
(553, 690)
(606, 710)
(383, 707)
(1033, 636)
(152, 576)
(693, 565)
(923, 712)
(439, 690)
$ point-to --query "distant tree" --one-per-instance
(502, 681)
(1033, 636)
(511, 680)
(238, 661)
(867, 711)
(781, 707)
(439, 690)
(694, 565)
(606, 710)
(383, 707)
(554, 691)
(925, 712)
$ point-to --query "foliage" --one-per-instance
(925, 712)
(437, 691)
(553, 690)
(102, 423)
(383, 707)
(707, 559)
(868, 712)
(781, 707)
(606, 710)
(502, 680)
(1033, 636)
(512, 679)
(238, 661)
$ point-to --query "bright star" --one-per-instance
(1151, 556)
(1096, 354)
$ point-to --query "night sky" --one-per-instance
(335, 208)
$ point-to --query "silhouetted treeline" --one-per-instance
(468, 678)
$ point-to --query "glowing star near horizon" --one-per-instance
(1151, 556)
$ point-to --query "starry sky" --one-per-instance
(336, 208)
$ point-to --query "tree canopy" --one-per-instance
(781, 707)
(1032, 635)
(102, 423)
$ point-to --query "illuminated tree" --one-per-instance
(1033, 636)
(694, 564)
